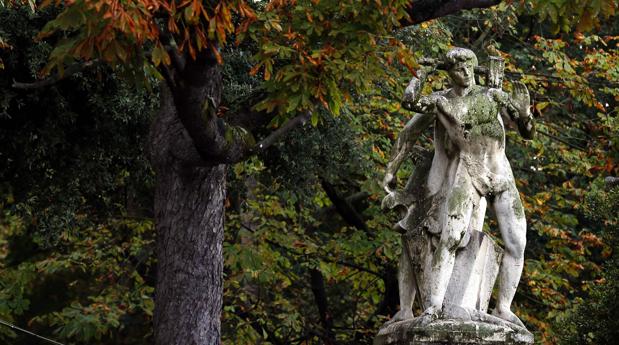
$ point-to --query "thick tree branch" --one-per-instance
(253, 121)
(69, 71)
(196, 91)
(355, 200)
(343, 206)
(317, 284)
(243, 113)
(281, 131)
(168, 76)
(423, 10)
(178, 59)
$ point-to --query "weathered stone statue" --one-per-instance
(447, 261)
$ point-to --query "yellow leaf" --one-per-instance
(541, 105)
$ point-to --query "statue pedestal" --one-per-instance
(451, 332)
(463, 318)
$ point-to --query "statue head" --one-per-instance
(461, 63)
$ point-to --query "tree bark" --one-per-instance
(190, 148)
(189, 216)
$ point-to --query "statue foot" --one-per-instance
(432, 310)
(456, 312)
(400, 316)
(508, 316)
(430, 314)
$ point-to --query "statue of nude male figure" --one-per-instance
(469, 166)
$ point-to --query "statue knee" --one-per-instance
(515, 246)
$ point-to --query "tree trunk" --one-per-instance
(189, 216)
(190, 148)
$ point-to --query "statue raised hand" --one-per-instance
(520, 99)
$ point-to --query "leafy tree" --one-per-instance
(76, 198)
(595, 320)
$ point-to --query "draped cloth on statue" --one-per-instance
(477, 262)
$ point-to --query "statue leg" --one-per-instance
(513, 226)
(459, 207)
(407, 287)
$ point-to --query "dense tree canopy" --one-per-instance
(308, 256)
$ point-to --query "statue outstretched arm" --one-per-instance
(517, 105)
(413, 100)
(425, 107)
(404, 146)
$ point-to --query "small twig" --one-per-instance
(562, 141)
(355, 266)
(324, 258)
(69, 71)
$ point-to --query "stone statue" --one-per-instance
(447, 261)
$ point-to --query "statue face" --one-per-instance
(463, 74)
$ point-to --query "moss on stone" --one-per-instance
(451, 332)
(457, 200)
(517, 204)
(482, 116)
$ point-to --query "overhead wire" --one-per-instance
(12, 326)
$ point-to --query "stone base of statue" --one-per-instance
(451, 332)
(464, 318)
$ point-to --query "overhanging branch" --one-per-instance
(69, 71)
(423, 10)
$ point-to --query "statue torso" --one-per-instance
(482, 128)
(476, 137)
